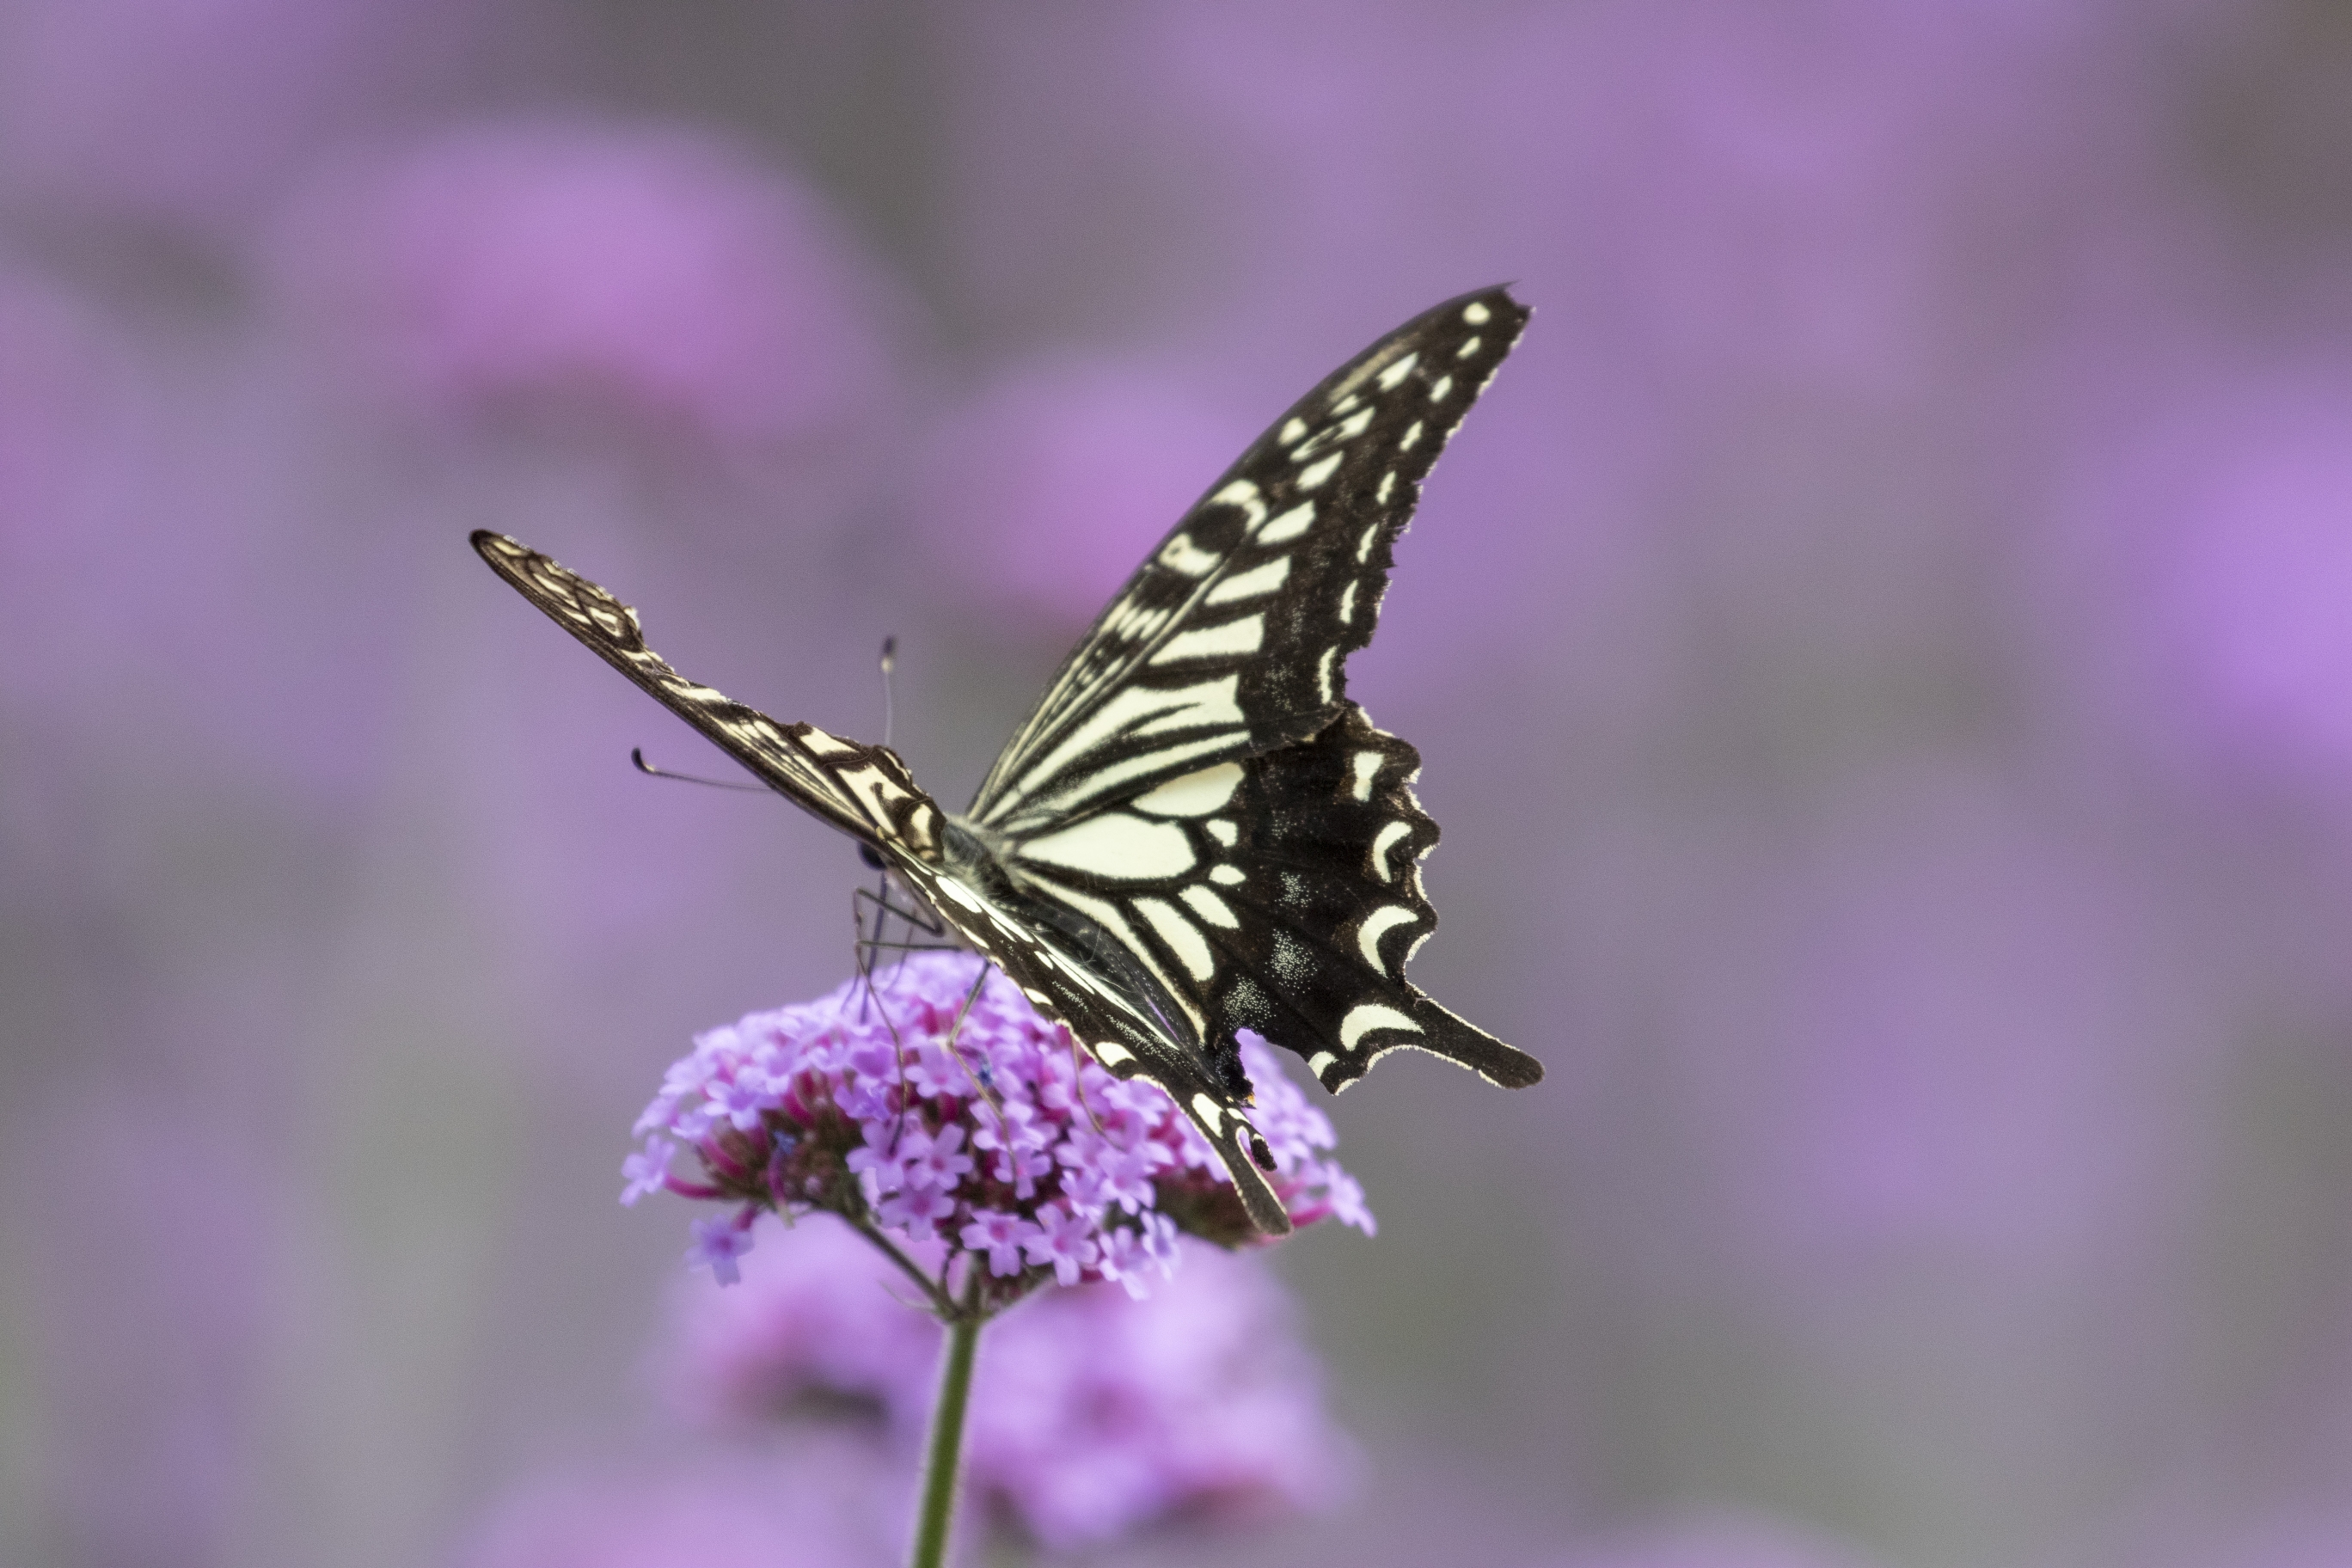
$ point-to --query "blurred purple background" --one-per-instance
(1883, 652)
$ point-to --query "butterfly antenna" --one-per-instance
(890, 663)
(637, 755)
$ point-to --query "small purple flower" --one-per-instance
(744, 1098)
(1065, 1242)
(717, 1243)
(647, 1170)
(1000, 1236)
(1005, 1148)
(934, 1161)
(916, 1211)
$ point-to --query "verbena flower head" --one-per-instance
(1011, 1153)
(1092, 1415)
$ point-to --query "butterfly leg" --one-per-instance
(1078, 1085)
(978, 1082)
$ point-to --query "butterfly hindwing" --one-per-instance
(1233, 635)
(1281, 894)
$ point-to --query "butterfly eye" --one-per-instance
(871, 856)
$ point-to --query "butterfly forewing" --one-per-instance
(865, 790)
(1233, 636)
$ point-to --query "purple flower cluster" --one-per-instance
(1092, 1415)
(1006, 1147)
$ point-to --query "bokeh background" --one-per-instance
(1883, 648)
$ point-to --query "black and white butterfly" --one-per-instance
(1195, 832)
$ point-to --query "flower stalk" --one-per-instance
(944, 1453)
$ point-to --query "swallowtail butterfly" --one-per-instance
(1195, 832)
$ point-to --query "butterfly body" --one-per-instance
(1195, 831)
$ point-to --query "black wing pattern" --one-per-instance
(1196, 783)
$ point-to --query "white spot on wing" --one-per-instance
(1195, 794)
(1443, 385)
(1376, 925)
(1388, 839)
(1204, 904)
(1224, 833)
(1467, 349)
(1312, 477)
(1292, 429)
(1475, 313)
(1257, 579)
(1318, 1061)
(1183, 937)
(1366, 767)
(1347, 602)
(1397, 372)
(817, 741)
(1366, 1016)
(1210, 1111)
(1110, 1053)
(1324, 671)
(1243, 494)
(1388, 483)
(1232, 638)
(1181, 554)
(1114, 846)
(1411, 436)
(1371, 536)
(1228, 876)
(1300, 518)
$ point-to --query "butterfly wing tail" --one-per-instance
(1236, 1141)
(1422, 1024)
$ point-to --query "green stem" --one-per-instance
(947, 1433)
(942, 1304)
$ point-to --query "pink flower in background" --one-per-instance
(812, 1505)
(820, 1317)
(553, 269)
(1050, 486)
(2240, 511)
(1093, 1416)
(191, 114)
(1007, 1148)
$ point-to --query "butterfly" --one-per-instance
(1195, 832)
